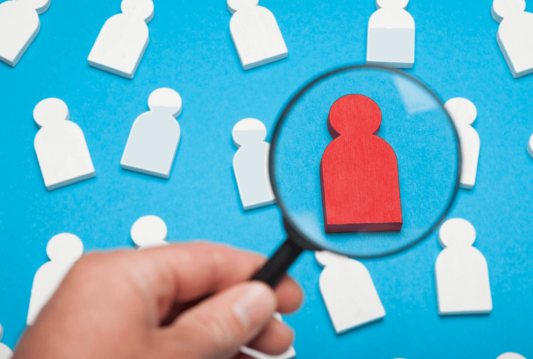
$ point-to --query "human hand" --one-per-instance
(187, 301)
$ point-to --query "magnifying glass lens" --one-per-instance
(393, 138)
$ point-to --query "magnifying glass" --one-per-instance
(345, 147)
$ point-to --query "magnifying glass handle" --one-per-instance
(276, 267)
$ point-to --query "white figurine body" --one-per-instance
(19, 25)
(5, 351)
(289, 353)
(464, 113)
(391, 35)
(63, 250)
(149, 231)
(515, 35)
(123, 39)
(461, 271)
(250, 164)
(60, 146)
(255, 33)
(155, 136)
(348, 291)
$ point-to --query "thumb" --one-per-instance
(218, 326)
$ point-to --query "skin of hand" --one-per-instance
(182, 301)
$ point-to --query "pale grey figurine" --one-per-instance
(155, 136)
(251, 164)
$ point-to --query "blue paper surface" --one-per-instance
(191, 51)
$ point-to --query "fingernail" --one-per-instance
(257, 304)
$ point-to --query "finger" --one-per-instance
(197, 269)
(289, 299)
(221, 324)
(275, 339)
(185, 272)
(289, 295)
(176, 309)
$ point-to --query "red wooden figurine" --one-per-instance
(359, 171)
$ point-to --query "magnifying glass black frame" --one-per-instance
(296, 241)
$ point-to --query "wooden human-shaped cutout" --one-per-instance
(289, 354)
(149, 231)
(5, 351)
(510, 356)
(19, 25)
(530, 146)
(60, 146)
(515, 35)
(155, 136)
(359, 171)
(122, 41)
(255, 33)
(63, 250)
(391, 35)
(348, 291)
(463, 113)
(250, 164)
(461, 271)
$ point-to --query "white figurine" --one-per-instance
(461, 271)
(250, 164)
(510, 356)
(60, 146)
(5, 351)
(530, 146)
(19, 25)
(464, 113)
(391, 35)
(348, 291)
(155, 136)
(255, 33)
(63, 250)
(515, 35)
(289, 354)
(149, 231)
(123, 39)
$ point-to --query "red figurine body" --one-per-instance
(359, 171)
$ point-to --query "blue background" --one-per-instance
(191, 51)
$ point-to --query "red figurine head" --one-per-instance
(354, 115)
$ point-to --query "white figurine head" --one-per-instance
(236, 5)
(510, 356)
(248, 131)
(50, 111)
(141, 9)
(392, 4)
(505, 8)
(165, 99)
(149, 231)
(326, 258)
(457, 232)
(39, 5)
(461, 110)
(64, 247)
